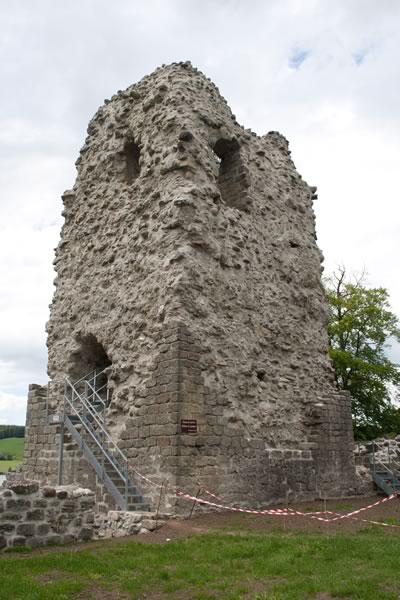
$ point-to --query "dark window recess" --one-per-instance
(232, 174)
(132, 154)
(91, 356)
(260, 374)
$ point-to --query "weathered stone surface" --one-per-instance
(18, 504)
(35, 515)
(49, 524)
(85, 534)
(18, 541)
(188, 267)
(152, 525)
(26, 529)
(43, 529)
(23, 488)
(122, 523)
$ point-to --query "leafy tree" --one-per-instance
(360, 325)
(10, 431)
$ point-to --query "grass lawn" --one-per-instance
(14, 446)
(212, 566)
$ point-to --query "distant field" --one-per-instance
(14, 446)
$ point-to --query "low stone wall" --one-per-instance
(118, 523)
(33, 516)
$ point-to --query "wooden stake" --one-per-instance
(194, 503)
(159, 502)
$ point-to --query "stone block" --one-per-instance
(18, 541)
(152, 524)
(26, 529)
(43, 529)
(85, 534)
(39, 503)
(36, 542)
(23, 488)
(15, 504)
(35, 515)
(11, 516)
(54, 540)
(87, 503)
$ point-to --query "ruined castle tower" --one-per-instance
(188, 267)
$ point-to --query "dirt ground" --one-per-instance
(240, 523)
(234, 522)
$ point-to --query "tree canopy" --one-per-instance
(361, 323)
(11, 431)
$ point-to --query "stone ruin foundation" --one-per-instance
(188, 268)
(35, 516)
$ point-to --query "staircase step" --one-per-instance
(88, 429)
(138, 507)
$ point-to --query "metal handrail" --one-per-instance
(90, 376)
(98, 443)
(84, 407)
(390, 467)
(84, 378)
(96, 393)
(98, 422)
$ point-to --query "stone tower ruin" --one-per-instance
(188, 272)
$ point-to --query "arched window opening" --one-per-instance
(232, 174)
(132, 155)
(90, 363)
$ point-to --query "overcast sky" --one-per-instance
(324, 73)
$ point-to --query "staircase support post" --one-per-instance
(61, 455)
(126, 485)
(373, 456)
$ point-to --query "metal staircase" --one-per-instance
(386, 474)
(85, 403)
(387, 478)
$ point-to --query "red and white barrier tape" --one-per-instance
(276, 512)
(322, 512)
(328, 512)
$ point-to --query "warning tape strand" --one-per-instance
(328, 512)
(276, 512)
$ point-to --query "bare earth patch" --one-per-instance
(236, 523)
(253, 588)
(100, 593)
(233, 522)
(52, 576)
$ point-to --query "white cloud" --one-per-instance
(12, 409)
(338, 108)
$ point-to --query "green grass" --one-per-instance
(7, 465)
(342, 506)
(14, 446)
(363, 566)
